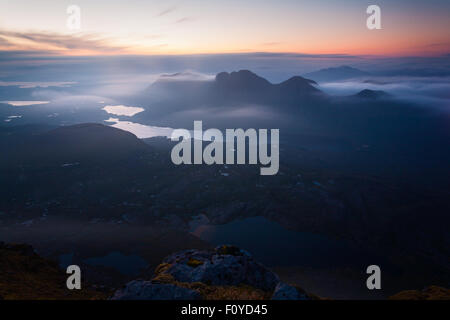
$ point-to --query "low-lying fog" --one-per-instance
(119, 92)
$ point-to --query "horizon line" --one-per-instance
(23, 54)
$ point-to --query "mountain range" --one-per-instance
(232, 88)
(336, 74)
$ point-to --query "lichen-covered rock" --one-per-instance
(284, 291)
(224, 266)
(148, 290)
(226, 272)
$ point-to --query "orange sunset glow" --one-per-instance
(194, 27)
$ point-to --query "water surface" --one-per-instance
(125, 264)
(273, 245)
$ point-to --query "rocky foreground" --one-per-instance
(226, 272)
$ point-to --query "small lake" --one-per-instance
(24, 103)
(273, 245)
(140, 130)
(267, 241)
(121, 110)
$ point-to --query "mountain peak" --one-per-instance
(242, 81)
(298, 87)
(297, 80)
(241, 76)
(247, 85)
(344, 67)
(372, 94)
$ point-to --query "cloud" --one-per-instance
(50, 41)
(28, 84)
(4, 42)
(269, 44)
(184, 19)
(430, 91)
(24, 54)
(300, 55)
(166, 11)
(438, 44)
(188, 75)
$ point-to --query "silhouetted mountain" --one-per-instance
(254, 86)
(242, 86)
(298, 82)
(174, 87)
(243, 80)
(372, 94)
(298, 88)
(335, 74)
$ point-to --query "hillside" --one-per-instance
(70, 145)
(372, 94)
(27, 276)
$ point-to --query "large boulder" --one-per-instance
(223, 266)
(226, 272)
(284, 291)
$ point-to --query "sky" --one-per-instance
(145, 27)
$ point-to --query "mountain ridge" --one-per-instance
(243, 86)
(372, 94)
(336, 73)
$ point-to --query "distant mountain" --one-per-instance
(372, 94)
(236, 87)
(336, 74)
(298, 88)
(243, 80)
